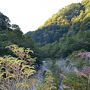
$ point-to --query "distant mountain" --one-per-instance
(66, 31)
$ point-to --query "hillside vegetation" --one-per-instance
(54, 57)
(19, 60)
(66, 31)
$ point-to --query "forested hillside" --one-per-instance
(66, 31)
(54, 57)
(19, 60)
(16, 62)
(13, 34)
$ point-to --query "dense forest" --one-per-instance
(56, 56)
(65, 32)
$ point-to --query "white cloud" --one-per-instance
(30, 14)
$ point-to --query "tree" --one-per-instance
(17, 29)
(4, 21)
(49, 83)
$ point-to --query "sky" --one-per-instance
(30, 14)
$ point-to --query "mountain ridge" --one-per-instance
(62, 28)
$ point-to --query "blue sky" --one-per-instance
(30, 14)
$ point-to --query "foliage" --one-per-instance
(4, 21)
(21, 52)
(80, 59)
(14, 70)
(79, 79)
(75, 82)
(57, 26)
(49, 83)
(66, 31)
